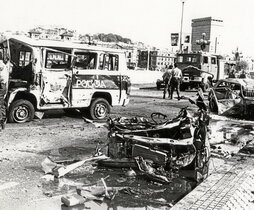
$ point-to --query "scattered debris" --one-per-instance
(48, 177)
(150, 172)
(51, 167)
(73, 200)
(39, 115)
(66, 169)
(130, 173)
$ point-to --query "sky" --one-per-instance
(148, 21)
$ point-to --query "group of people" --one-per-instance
(172, 78)
(232, 73)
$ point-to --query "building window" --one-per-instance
(205, 59)
(213, 60)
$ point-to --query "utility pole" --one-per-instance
(181, 29)
(148, 60)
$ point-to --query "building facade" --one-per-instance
(158, 60)
(213, 32)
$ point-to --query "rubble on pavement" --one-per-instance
(150, 149)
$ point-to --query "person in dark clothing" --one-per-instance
(242, 75)
(166, 79)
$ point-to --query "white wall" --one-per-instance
(144, 76)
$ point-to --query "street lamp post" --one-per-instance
(203, 42)
(181, 29)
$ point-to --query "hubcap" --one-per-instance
(100, 111)
(21, 113)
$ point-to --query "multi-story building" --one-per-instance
(213, 32)
(158, 59)
(53, 33)
(164, 59)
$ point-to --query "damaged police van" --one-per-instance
(47, 74)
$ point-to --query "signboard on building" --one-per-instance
(174, 39)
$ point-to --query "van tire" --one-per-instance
(99, 109)
(21, 111)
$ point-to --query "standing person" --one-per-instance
(232, 72)
(4, 77)
(242, 75)
(166, 79)
(176, 81)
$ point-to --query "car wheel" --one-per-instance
(21, 111)
(99, 109)
(212, 105)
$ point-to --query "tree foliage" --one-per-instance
(241, 65)
(111, 38)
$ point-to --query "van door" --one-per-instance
(56, 78)
(109, 63)
(95, 73)
(85, 78)
(205, 63)
(214, 66)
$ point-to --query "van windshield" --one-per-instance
(85, 60)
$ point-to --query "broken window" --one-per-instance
(21, 58)
(4, 51)
(108, 62)
(57, 60)
(85, 60)
(24, 58)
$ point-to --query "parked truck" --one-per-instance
(200, 69)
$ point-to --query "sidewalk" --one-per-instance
(230, 187)
(143, 86)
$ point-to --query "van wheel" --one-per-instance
(21, 111)
(99, 109)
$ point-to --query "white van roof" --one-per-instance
(61, 44)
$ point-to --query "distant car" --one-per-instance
(232, 97)
(160, 84)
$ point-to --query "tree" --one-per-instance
(241, 65)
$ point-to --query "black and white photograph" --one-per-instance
(126, 105)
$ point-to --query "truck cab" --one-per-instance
(198, 69)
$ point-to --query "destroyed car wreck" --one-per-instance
(179, 143)
(233, 97)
